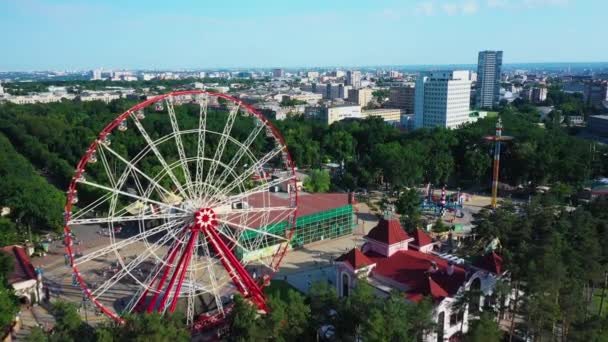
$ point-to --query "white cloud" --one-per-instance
(465, 7)
(470, 7)
(543, 3)
(450, 8)
(425, 8)
(523, 4)
(498, 3)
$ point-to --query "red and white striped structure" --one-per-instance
(497, 139)
(180, 185)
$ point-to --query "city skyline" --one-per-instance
(64, 35)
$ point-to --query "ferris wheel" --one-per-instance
(171, 209)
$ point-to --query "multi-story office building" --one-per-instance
(278, 73)
(332, 114)
(391, 115)
(442, 99)
(488, 78)
(353, 78)
(402, 97)
(595, 93)
(598, 124)
(534, 94)
(95, 75)
(362, 96)
(312, 74)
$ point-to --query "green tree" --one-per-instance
(288, 320)
(484, 330)
(317, 181)
(150, 328)
(353, 311)
(245, 324)
(440, 227)
(323, 301)
(9, 305)
(408, 206)
(37, 335)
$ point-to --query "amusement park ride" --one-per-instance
(182, 204)
(498, 138)
(439, 205)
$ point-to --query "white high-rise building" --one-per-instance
(353, 78)
(1, 89)
(95, 74)
(489, 65)
(442, 99)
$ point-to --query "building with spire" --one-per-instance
(391, 260)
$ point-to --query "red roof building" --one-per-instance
(22, 269)
(491, 262)
(388, 231)
(23, 279)
(388, 264)
(422, 241)
(356, 259)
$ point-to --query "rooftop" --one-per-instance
(413, 269)
(421, 238)
(355, 258)
(23, 269)
(388, 232)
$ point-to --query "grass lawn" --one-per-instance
(595, 303)
(278, 287)
(492, 114)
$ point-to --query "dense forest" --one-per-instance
(541, 154)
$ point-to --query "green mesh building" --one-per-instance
(320, 217)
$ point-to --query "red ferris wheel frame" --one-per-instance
(251, 289)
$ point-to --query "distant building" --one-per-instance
(1, 89)
(534, 94)
(489, 66)
(353, 78)
(598, 124)
(394, 74)
(312, 74)
(595, 93)
(362, 96)
(99, 96)
(337, 73)
(278, 73)
(331, 91)
(331, 114)
(343, 91)
(95, 75)
(303, 96)
(402, 97)
(442, 99)
(391, 115)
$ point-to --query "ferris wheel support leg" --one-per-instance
(252, 290)
(181, 265)
(172, 254)
(189, 251)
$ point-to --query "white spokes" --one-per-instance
(200, 151)
(116, 246)
(179, 144)
(152, 182)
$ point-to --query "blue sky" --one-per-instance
(70, 34)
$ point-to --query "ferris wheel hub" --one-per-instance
(205, 219)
